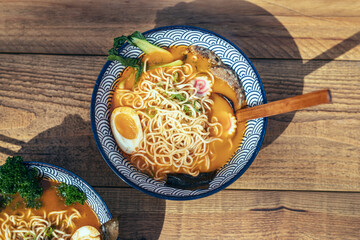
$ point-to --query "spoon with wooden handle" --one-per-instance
(281, 106)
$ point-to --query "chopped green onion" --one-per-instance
(176, 77)
(49, 231)
(194, 106)
(187, 110)
(151, 112)
(179, 97)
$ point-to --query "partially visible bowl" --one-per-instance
(59, 174)
(232, 56)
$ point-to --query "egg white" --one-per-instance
(86, 232)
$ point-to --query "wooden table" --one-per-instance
(305, 182)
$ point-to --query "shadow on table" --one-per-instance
(143, 224)
(257, 32)
(140, 216)
(71, 145)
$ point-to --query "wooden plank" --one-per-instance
(51, 95)
(315, 141)
(314, 149)
(234, 214)
(271, 29)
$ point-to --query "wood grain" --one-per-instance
(262, 29)
(305, 181)
(234, 214)
(313, 149)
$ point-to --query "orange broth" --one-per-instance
(222, 151)
(52, 202)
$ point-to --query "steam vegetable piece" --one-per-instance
(138, 40)
(172, 64)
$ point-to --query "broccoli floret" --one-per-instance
(15, 177)
(71, 194)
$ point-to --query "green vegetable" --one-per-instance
(5, 200)
(29, 234)
(176, 77)
(178, 96)
(140, 69)
(194, 106)
(151, 112)
(172, 64)
(187, 110)
(129, 62)
(49, 231)
(71, 194)
(138, 40)
(15, 177)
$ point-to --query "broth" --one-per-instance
(51, 202)
(220, 151)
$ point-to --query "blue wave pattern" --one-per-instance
(58, 174)
(231, 57)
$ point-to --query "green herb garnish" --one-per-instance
(176, 77)
(178, 96)
(49, 231)
(71, 194)
(194, 106)
(151, 112)
(15, 177)
(5, 200)
(29, 234)
(187, 110)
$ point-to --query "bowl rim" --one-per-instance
(166, 197)
(41, 164)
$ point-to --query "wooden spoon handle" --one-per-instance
(284, 105)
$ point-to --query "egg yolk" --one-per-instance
(126, 126)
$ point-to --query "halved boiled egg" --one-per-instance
(86, 233)
(126, 128)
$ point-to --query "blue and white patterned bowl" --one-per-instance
(59, 174)
(232, 56)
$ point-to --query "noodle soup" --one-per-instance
(174, 118)
(42, 201)
(52, 219)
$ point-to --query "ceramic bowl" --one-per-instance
(232, 56)
(59, 174)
